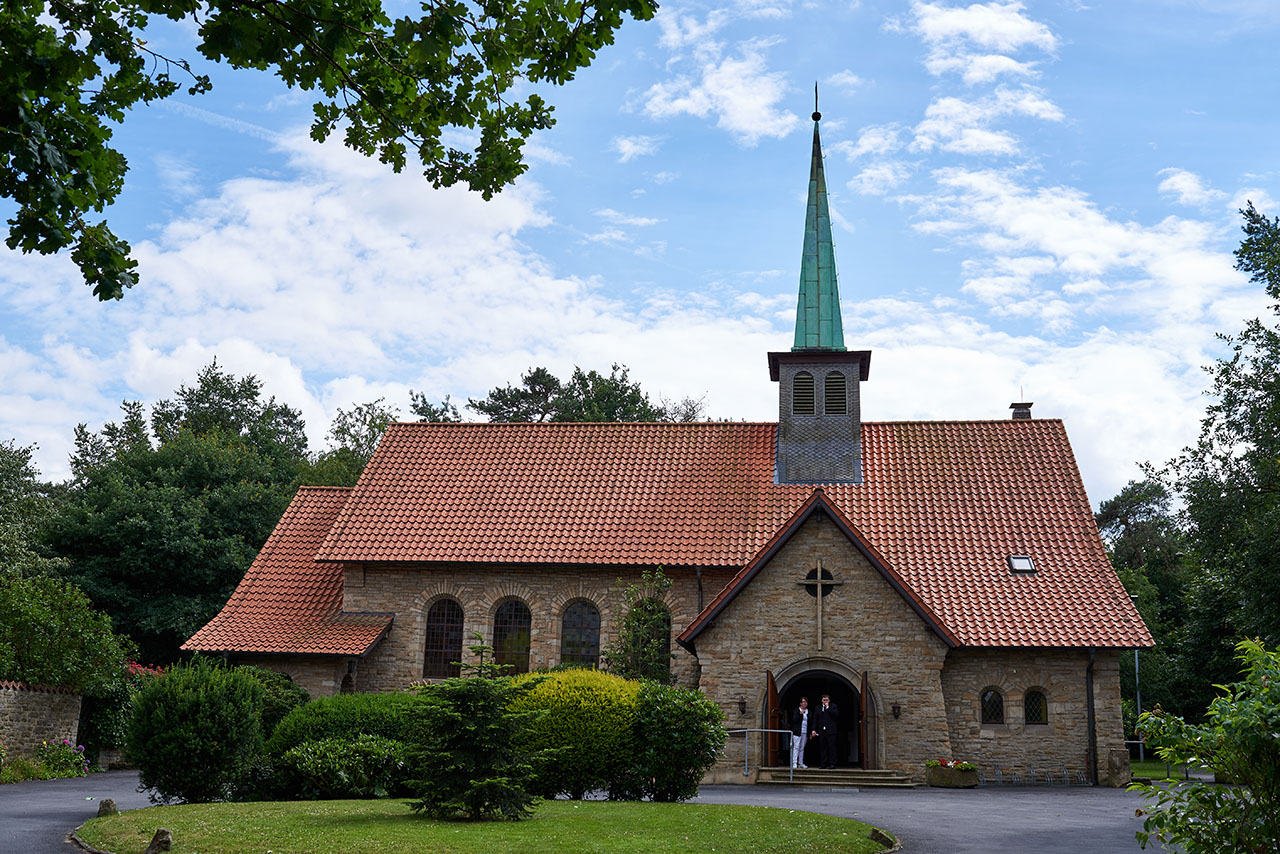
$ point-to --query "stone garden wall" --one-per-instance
(30, 715)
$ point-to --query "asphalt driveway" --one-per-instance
(1046, 819)
(36, 816)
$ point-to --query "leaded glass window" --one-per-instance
(511, 629)
(992, 706)
(1035, 708)
(580, 635)
(444, 640)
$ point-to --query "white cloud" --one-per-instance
(993, 26)
(845, 80)
(629, 147)
(879, 178)
(975, 41)
(624, 219)
(739, 91)
(876, 139)
(679, 31)
(959, 125)
(1188, 187)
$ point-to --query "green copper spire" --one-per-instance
(818, 310)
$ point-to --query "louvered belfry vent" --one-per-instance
(836, 398)
(802, 399)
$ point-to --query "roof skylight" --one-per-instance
(1021, 563)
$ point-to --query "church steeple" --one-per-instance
(818, 324)
(819, 437)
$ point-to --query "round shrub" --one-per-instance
(279, 696)
(346, 716)
(195, 731)
(588, 722)
(679, 734)
(366, 766)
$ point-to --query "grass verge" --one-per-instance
(1156, 769)
(387, 827)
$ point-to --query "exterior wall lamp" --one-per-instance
(742, 705)
(897, 710)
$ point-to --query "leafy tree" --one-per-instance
(1237, 741)
(196, 731)
(642, 649)
(471, 762)
(360, 428)
(24, 507)
(159, 526)
(1229, 482)
(446, 411)
(68, 71)
(50, 635)
(586, 396)
(1149, 553)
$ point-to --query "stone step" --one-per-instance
(835, 778)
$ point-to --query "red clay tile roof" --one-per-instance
(288, 603)
(945, 502)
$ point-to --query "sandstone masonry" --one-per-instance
(30, 715)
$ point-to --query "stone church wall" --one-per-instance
(409, 590)
(320, 675)
(1016, 746)
(771, 625)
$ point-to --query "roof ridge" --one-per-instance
(318, 488)
(687, 424)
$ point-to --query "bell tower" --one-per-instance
(819, 413)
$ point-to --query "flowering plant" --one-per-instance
(958, 764)
(63, 759)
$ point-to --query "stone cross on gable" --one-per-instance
(818, 583)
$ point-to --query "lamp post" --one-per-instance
(1137, 690)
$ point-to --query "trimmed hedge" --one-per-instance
(347, 716)
(679, 736)
(195, 731)
(366, 766)
(588, 722)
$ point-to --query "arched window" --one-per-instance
(835, 399)
(580, 635)
(1035, 708)
(992, 706)
(511, 627)
(802, 401)
(444, 640)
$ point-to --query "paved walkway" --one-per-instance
(36, 816)
(1046, 819)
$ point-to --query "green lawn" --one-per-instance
(1155, 769)
(580, 827)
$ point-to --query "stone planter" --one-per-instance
(951, 778)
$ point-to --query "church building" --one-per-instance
(943, 581)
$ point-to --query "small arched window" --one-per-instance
(511, 630)
(1035, 708)
(802, 394)
(580, 635)
(835, 399)
(992, 706)
(443, 648)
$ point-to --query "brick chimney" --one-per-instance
(1021, 411)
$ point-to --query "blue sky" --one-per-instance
(1032, 200)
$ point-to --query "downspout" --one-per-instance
(1092, 723)
(699, 589)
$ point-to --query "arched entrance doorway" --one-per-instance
(813, 684)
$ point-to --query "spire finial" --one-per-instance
(816, 115)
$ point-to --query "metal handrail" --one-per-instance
(746, 744)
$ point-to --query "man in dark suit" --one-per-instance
(801, 718)
(826, 719)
